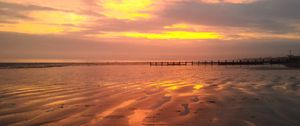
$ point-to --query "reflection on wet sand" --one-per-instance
(137, 118)
(122, 96)
(108, 112)
(198, 86)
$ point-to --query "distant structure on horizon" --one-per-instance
(293, 61)
(289, 61)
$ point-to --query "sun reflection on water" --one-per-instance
(176, 85)
(198, 86)
(137, 118)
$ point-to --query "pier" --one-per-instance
(249, 61)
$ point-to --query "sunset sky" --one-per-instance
(94, 30)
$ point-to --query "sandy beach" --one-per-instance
(141, 95)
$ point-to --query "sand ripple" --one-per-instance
(144, 95)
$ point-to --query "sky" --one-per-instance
(98, 30)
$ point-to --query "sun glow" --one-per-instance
(175, 35)
(166, 35)
(127, 9)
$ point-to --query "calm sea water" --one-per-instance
(137, 95)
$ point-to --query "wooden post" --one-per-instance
(271, 61)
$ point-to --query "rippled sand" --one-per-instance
(143, 95)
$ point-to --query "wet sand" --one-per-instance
(141, 95)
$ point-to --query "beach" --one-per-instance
(143, 95)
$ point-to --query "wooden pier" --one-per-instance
(252, 61)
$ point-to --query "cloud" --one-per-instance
(24, 46)
(11, 11)
(33, 19)
(22, 7)
(12, 15)
(178, 26)
(149, 19)
(57, 22)
(267, 15)
(37, 28)
(228, 1)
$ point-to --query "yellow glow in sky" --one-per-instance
(127, 9)
(46, 22)
(175, 35)
(57, 17)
